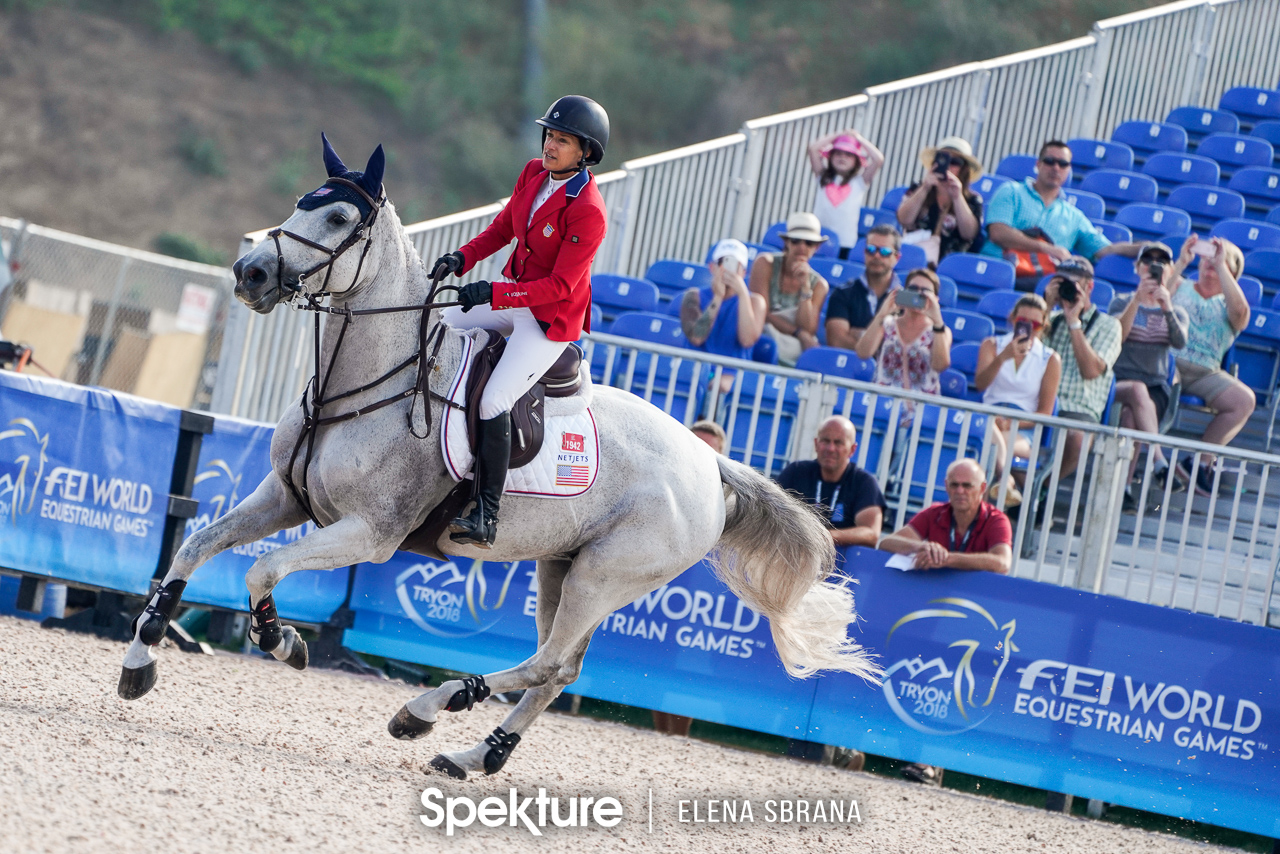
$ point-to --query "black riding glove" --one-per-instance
(453, 262)
(474, 294)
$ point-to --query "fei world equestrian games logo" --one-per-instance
(25, 452)
(950, 693)
(445, 601)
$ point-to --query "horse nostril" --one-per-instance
(254, 276)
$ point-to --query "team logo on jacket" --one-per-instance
(548, 231)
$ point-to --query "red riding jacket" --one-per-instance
(550, 269)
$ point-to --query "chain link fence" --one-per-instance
(99, 314)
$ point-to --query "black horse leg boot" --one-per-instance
(480, 527)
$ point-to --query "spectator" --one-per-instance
(848, 497)
(965, 532)
(793, 292)
(940, 213)
(1218, 311)
(1150, 326)
(725, 319)
(911, 344)
(1089, 343)
(851, 307)
(1018, 371)
(844, 164)
(1032, 218)
(711, 433)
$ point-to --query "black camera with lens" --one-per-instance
(1067, 291)
(942, 162)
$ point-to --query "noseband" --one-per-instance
(362, 231)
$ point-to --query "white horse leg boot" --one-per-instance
(480, 527)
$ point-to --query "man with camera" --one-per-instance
(1088, 341)
(851, 306)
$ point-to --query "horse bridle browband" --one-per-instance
(428, 338)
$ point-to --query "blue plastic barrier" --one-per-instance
(84, 482)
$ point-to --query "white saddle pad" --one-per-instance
(569, 460)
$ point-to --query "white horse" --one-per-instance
(662, 499)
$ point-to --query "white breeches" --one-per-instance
(528, 356)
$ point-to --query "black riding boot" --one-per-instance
(480, 526)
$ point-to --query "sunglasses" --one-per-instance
(1034, 324)
(1155, 259)
(882, 251)
(804, 242)
(1056, 161)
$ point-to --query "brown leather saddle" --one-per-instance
(528, 422)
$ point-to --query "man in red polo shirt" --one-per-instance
(966, 532)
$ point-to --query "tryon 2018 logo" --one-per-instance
(23, 454)
(951, 692)
(443, 600)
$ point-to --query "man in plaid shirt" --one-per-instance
(1088, 341)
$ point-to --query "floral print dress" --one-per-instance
(907, 364)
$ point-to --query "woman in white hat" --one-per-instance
(793, 292)
(844, 163)
(940, 213)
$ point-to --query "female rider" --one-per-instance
(558, 218)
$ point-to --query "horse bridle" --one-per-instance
(362, 231)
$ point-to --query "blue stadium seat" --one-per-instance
(1016, 167)
(618, 294)
(1274, 217)
(1147, 138)
(1234, 151)
(765, 351)
(831, 248)
(964, 358)
(909, 257)
(998, 305)
(1248, 234)
(1102, 295)
(987, 185)
(1251, 104)
(954, 384)
(1118, 269)
(948, 292)
(1264, 264)
(837, 362)
(773, 235)
(1090, 154)
(1270, 131)
(1252, 288)
(675, 277)
(649, 326)
(1206, 205)
(921, 490)
(1113, 231)
(1153, 222)
(974, 275)
(1171, 170)
(779, 401)
(871, 217)
(967, 325)
(1119, 188)
(1260, 188)
(1200, 122)
(685, 387)
(1257, 353)
(597, 317)
(835, 271)
(1091, 205)
(893, 198)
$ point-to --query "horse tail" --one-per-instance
(776, 555)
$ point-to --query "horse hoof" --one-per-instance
(299, 656)
(407, 726)
(136, 681)
(445, 765)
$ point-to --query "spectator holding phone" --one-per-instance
(1150, 326)
(910, 342)
(793, 292)
(1018, 371)
(1218, 311)
(1088, 341)
(725, 319)
(852, 305)
(939, 213)
(844, 163)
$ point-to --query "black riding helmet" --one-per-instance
(583, 118)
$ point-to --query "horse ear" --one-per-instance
(371, 180)
(332, 162)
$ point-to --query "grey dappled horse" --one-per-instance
(662, 499)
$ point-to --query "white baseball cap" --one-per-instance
(730, 248)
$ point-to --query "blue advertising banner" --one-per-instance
(84, 482)
(1095, 696)
(234, 459)
(690, 647)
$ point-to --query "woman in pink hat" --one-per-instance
(844, 164)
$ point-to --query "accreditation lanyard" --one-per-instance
(817, 497)
(964, 544)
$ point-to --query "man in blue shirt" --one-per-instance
(1038, 203)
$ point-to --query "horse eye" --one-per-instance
(337, 219)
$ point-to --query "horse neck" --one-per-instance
(373, 344)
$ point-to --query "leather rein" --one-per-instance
(314, 399)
